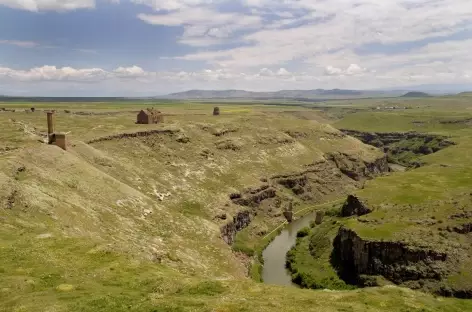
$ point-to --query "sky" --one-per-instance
(155, 47)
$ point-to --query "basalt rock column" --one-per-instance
(319, 217)
(288, 213)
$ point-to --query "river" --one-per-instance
(274, 271)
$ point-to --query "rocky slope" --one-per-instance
(431, 267)
(395, 261)
(337, 174)
(360, 259)
(403, 148)
(354, 206)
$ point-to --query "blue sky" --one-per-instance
(152, 47)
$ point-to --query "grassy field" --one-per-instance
(129, 224)
(438, 189)
(417, 207)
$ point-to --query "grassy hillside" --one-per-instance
(132, 223)
(419, 206)
(426, 208)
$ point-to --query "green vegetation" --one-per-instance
(133, 224)
(303, 232)
(309, 259)
(409, 151)
(418, 207)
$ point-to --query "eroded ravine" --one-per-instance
(403, 148)
(274, 269)
(338, 175)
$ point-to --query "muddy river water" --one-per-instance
(274, 271)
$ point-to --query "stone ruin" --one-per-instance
(216, 111)
(149, 116)
(56, 138)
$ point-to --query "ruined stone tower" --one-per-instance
(56, 138)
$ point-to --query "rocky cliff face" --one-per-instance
(396, 261)
(380, 139)
(354, 206)
(463, 228)
(339, 173)
(400, 146)
(253, 197)
(357, 169)
(239, 222)
(134, 135)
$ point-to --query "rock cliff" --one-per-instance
(354, 206)
(354, 256)
(338, 173)
(403, 147)
(357, 169)
(239, 222)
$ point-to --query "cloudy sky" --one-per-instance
(152, 47)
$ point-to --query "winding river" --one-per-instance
(274, 271)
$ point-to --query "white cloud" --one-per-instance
(203, 26)
(49, 5)
(19, 43)
(330, 70)
(283, 72)
(265, 72)
(261, 79)
(318, 32)
(134, 73)
(52, 73)
(33, 44)
(194, 17)
(129, 72)
(287, 44)
(351, 70)
(171, 5)
(134, 80)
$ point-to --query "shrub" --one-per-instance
(303, 232)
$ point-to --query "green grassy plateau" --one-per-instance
(120, 223)
(423, 207)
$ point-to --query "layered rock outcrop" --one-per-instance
(253, 197)
(354, 206)
(402, 146)
(463, 228)
(134, 135)
(357, 169)
(338, 173)
(382, 139)
(354, 256)
(239, 222)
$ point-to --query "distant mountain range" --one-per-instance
(235, 95)
(316, 94)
